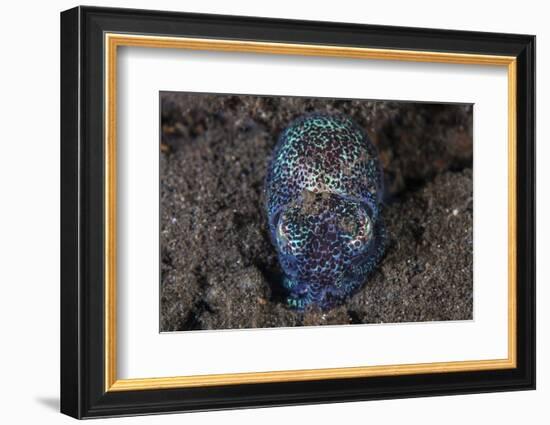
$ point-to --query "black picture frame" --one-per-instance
(83, 392)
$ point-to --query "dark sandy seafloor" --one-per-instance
(218, 267)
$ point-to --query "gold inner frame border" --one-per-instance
(114, 40)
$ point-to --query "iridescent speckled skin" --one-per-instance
(323, 191)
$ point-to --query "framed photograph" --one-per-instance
(261, 212)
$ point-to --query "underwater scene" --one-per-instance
(293, 211)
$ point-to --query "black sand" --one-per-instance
(219, 270)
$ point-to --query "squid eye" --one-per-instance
(361, 233)
(282, 235)
(367, 228)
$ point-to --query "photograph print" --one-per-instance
(293, 211)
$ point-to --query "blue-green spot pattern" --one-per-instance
(323, 193)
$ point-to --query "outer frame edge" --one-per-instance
(104, 405)
(70, 349)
